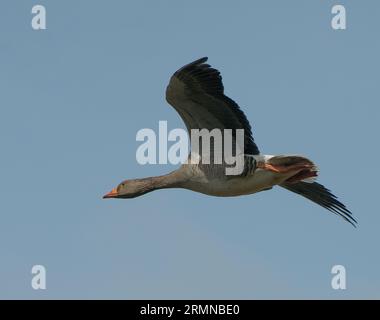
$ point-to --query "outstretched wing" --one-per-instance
(322, 196)
(196, 92)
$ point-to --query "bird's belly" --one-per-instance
(259, 181)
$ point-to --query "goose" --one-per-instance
(196, 92)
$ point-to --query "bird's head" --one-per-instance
(129, 189)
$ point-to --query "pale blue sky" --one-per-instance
(74, 96)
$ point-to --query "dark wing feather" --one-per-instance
(196, 92)
(322, 196)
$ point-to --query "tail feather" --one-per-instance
(322, 196)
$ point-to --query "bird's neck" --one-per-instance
(173, 179)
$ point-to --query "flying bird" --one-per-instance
(197, 94)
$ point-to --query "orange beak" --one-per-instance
(112, 194)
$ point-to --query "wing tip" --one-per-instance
(322, 196)
(194, 63)
(200, 60)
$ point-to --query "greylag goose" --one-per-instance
(196, 92)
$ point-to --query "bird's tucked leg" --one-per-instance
(303, 168)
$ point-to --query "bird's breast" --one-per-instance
(236, 186)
